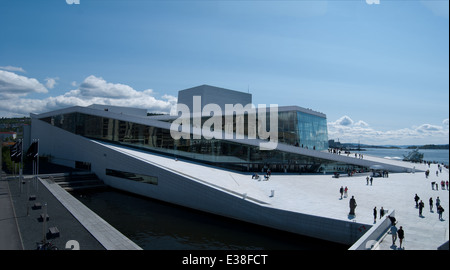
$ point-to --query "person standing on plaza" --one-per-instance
(416, 198)
(375, 215)
(381, 212)
(438, 201)
(345, 192)
(401, 235)
(431, 204)
(341, 190)
(421, 205)
(440, 210)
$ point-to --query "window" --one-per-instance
(133, 176)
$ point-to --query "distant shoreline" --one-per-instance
(431, 146)
(356, 147)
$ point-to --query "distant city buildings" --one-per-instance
(8, 135)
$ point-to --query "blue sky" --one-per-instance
(378, 71)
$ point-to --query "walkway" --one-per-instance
(21, 226)
(10, 238)
(107, 235)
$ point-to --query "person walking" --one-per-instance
(431, 204)
(421, 205)
(438, 201)
(345, 192)
(341, 190)
(375, 215)
(416, 198)
(394, 234)
(401, 235)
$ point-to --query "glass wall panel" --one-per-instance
(133, 176)
(312, 131)
(295, 128)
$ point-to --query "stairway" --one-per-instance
(76, 181)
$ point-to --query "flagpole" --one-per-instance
(21, 166)
(34, 165)
(37, 167)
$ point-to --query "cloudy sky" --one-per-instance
(378, 71)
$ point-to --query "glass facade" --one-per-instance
(312, 130)
(133, 176)
(295, 128)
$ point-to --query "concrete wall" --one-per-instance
(65, 148)
(213, 95)
(370, 239)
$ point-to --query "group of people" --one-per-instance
(266, 176)
(444, 185)
(369, 179)
(400, 233)
(338, 151)
(375, 212)
(343, 191)
(420, 205)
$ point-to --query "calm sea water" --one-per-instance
(440, 156)
(154, 225)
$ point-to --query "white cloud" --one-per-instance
(51, 82)
(346, 130)
(370, 2)
(344, 121)
(11, 68)
(93, 90)
(361, 124)
(97, 87)
(14, 86)
(428, 128)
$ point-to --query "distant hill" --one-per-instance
(354, 146)
(430, 146)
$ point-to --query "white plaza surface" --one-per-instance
(319, 195)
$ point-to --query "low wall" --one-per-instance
(374, 234)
